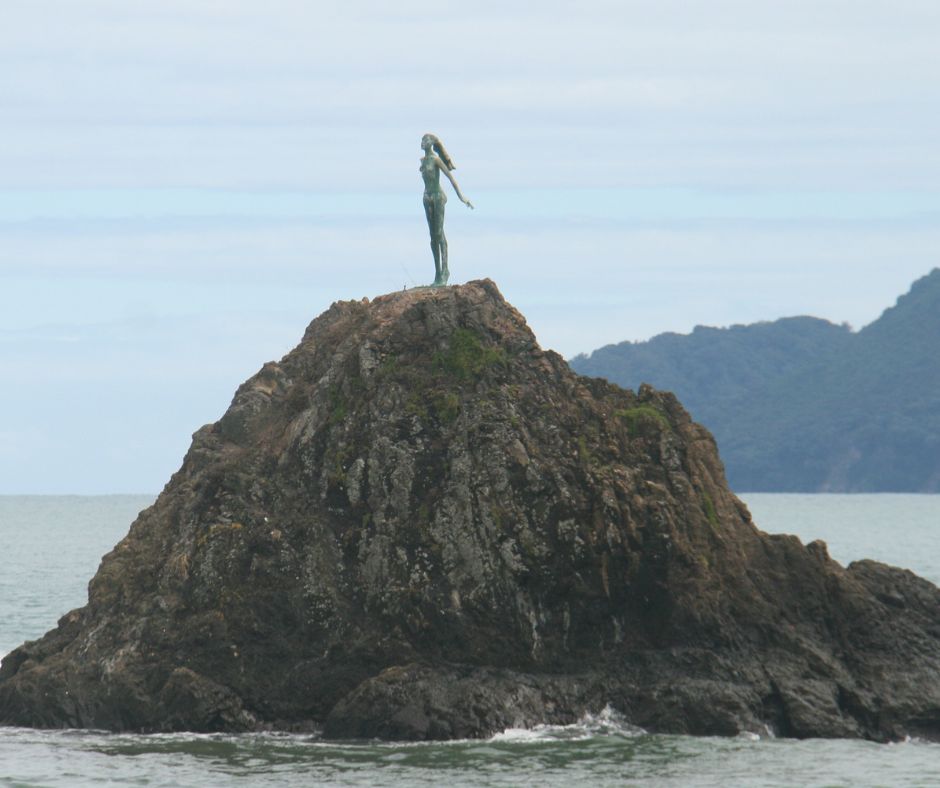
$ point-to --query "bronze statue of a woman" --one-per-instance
(435, 161)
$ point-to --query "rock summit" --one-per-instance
(420, 525)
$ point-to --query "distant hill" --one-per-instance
(802, 404)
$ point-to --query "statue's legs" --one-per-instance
(445, 272)
(434, 210)
(441, 239)
(436, 251)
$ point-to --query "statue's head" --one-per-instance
(432, 143)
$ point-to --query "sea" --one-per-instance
(51, 546)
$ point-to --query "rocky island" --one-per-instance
(420, 525)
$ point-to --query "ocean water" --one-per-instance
(52, 546)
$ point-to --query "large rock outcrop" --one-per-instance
(418, 524)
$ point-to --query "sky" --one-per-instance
(185, 184)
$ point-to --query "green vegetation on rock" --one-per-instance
(467, 357)
(639, 416)
(709, 506)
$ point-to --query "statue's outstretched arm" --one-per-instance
(453, 182)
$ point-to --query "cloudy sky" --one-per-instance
(185, 184)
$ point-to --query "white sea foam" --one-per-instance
(607, 722)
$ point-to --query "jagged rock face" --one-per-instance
(420, 525)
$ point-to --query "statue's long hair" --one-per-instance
(438, 147)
